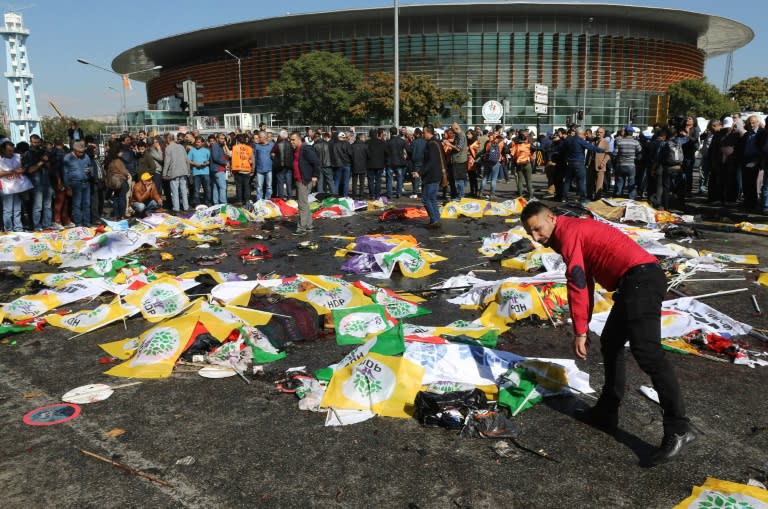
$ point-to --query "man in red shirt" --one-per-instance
(595, 251)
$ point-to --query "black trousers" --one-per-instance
(636, 316)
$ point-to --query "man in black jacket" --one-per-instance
(306, 170)
(395, 163)
(281, 166)
(431, 173)
(377, 159)
(323, 150)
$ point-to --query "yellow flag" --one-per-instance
(324, 293)
(378, 383)
(160, 347)
(717, 493)
(159, 300)
(732, 258)
(123, 349)
(54, 279)
(92, 319)
(222, 320)
(31, 306)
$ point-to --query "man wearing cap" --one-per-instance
(144, 198)
(76, 172)
(341, 160)
(626, 151)
(596, 252)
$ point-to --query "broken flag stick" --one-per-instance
(126, 468)
(714, 294)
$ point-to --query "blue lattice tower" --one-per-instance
(22, 109)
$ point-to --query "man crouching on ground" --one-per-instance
(595, 251)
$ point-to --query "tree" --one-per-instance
(421, 100)
(750, 94)
(698, 98)
(319, 86)
(55, 128)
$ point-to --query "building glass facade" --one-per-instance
(624, 65)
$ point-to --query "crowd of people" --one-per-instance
(50, 184)
(660, 163)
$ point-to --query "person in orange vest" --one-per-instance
(242, 168)
(522, 155)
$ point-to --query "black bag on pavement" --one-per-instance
(448, 410)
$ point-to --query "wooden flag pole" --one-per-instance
(126, 468)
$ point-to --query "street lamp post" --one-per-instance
(239, 82)
(124, 123)
(396, 113)
(122, 103)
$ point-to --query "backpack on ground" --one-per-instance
(293, 321)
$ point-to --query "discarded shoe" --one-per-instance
(671, 447)
(307, 244)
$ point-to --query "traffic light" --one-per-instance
(568, 120)
(631, 116)
(580, 115)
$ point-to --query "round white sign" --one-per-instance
(492, 111)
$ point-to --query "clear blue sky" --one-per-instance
(98, 31)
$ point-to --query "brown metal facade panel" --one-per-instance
(542, 62)
(614, 63)
(555, 60)
(568, 61)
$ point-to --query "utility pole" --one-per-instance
(396, 113)
(239, 82)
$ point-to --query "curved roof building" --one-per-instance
(624, 56)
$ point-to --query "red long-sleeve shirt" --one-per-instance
(593, 251)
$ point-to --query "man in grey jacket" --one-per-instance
(176, 171)
(626, 150)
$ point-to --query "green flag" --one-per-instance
(356, 325)
(519, 391)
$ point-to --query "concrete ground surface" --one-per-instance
(253, 447)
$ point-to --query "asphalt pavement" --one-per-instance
(252, 447)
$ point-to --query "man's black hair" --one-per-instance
(533, 208)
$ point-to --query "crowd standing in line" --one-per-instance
(50, 185)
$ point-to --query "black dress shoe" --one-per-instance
(604, 420)
(672, 446)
